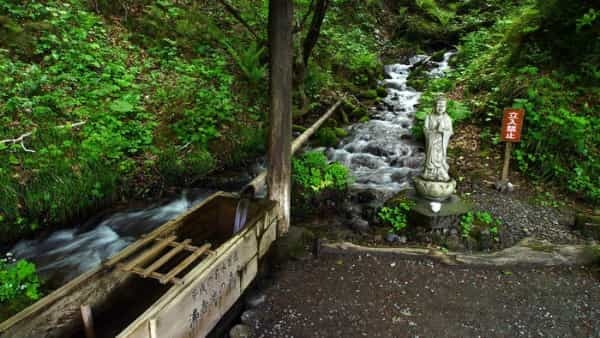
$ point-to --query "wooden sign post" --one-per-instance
(512, 124)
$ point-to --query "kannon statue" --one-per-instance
(438, 129)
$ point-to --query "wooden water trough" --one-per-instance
(176, 281)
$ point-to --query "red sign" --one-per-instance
(512, 123)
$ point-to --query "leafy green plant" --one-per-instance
(466, 224)
(313, 174)
(396, 216)
(18, 279)
(479, 220)
(327, 137)
(249, 61)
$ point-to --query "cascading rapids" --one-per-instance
(381, 153)
(67, 253)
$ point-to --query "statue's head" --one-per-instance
(440, 107)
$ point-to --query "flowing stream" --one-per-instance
(67, 253)
(381, 153)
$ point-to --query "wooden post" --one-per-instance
(506, 167)
(88, 321)
(280, 122)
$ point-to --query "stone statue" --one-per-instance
(438, 129)
(435, 183)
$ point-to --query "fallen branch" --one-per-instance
(21, 139)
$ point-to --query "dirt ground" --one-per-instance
(368, 295)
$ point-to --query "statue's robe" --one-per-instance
(438, 129)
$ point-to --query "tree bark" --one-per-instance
(309, 43)
(315, 30)
(280, 128)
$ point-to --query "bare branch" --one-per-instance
(236, 14)
(300, 26)
(21, 139)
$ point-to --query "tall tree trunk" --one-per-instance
(315, 30)
(309, 43)
(280, 126)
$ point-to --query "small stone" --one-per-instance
(359, 224)
(250, 318)
(510, 187)
(402, 239)
(392, 238)
(255, 299)
(241, 331)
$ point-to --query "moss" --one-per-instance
(438, 56)
(399, 198)
(540, 246)
(341, 132)
(381, 91)
(369, 94)
(592, 254)
(327, 137)
(364, 119)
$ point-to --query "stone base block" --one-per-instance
(435, 191)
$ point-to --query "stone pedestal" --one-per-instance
(441, 227)
(434, 190)
(450, 212)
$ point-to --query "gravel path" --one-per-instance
(366, 295)
(522, 218)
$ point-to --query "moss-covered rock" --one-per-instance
(369, 94)
(327, 137)
(588, 224)
(341, 132)
(438, 56)
(381, 91)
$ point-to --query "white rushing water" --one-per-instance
(67, 253)
(381, 153)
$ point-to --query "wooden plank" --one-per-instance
(185, 263)
(180, 300)
(204, 299)
(166, 257)
(47, 301)
(186, 247)
(148, 254)
(88, 321)
(156, 275)
(163, 229)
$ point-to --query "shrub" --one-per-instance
(395, 216)
(327, 137)
(18, 279)
(312, 173)
(475, 222)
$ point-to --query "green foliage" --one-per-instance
(312, 173)
(249, 61)
(431, 7)
(153, 94)
(327, 137)
(18, 279)
(466, 224)
(353, 52)
(396, 216)
(480, 220)
(541, 56)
